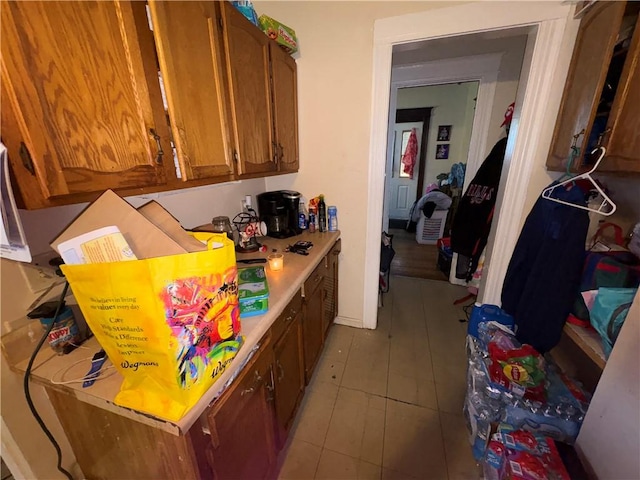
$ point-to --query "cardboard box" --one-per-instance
(145, 239)
(161, 218)
(283, 35)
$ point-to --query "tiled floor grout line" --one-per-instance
(387, 397)
(324, 440)
(440, 412)
(384, 423)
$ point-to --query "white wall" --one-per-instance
(452, 104)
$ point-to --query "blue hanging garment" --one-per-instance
(543, 277)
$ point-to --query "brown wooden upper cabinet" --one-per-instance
(601, 100)
(285, 108)
(78, 115)
(262, 83)
(93, 98)
(189, 45)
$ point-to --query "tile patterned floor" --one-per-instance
(387, 403)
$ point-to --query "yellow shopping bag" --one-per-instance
(169, 324)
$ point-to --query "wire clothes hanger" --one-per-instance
(606, 208)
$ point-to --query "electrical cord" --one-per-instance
(91, 376)
(27, 394)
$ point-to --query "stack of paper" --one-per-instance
(98, 246)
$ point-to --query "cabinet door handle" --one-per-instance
(274, 145)
(270, 386)
(603, 136)
(160, 153)
(256, 382)
(291, 316)
(318, 278)
(280, 370)
(281, 151)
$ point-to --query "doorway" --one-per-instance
(404, 180)
(445, 141)
(547, 25)
(468, 96)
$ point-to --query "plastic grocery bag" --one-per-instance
(170, 325)
(609, 312)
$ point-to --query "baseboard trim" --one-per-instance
(349, 322)
(397, 223)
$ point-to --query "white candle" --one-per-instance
(276, 261)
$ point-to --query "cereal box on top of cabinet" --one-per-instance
(283, 35)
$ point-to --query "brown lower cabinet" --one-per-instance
(288, 369)
(331, 287)
(241, 423)
(313, 320)
(239, 435)
(110, 446)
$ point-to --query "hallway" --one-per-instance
(413, 259)
(387, 403)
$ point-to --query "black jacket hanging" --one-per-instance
(472, 221)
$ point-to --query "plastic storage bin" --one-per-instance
(429, 230)
(253, 291)
(488, 313)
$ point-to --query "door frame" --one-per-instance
(551, 20)
(407, 115)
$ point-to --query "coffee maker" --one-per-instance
(279, 211)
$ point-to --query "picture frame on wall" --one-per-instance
(444, 133)
(442, 151)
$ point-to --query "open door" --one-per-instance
(403, 187)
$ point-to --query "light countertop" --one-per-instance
(282, 286)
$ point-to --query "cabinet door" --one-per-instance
(313, 334)
(331, 287)
(247, 56)
(623, 145)
(289, 376)
(587, 73)
(242, 423)
(285, 108)
(75, 74)
(190, 51)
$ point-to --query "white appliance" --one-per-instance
(13, 244)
